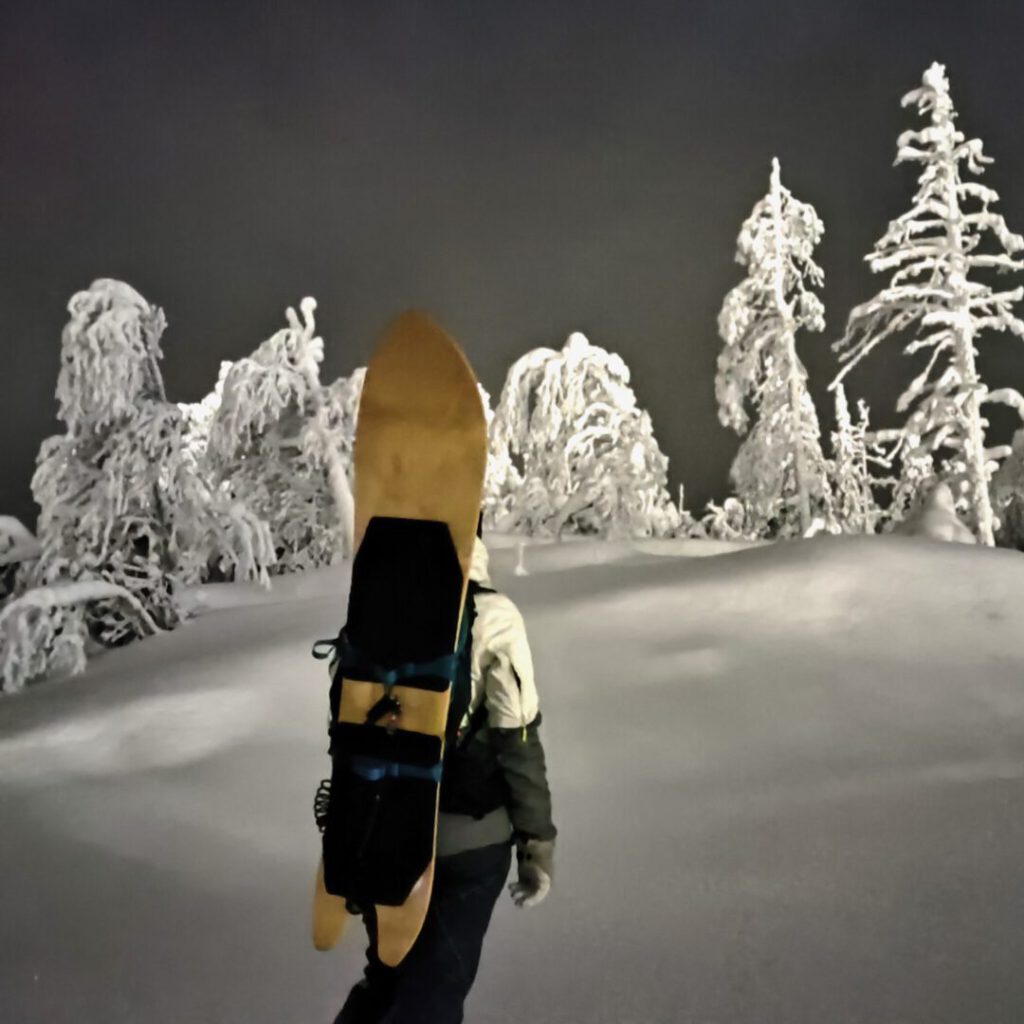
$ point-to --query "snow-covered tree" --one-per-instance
(779, 472)
(120, 504)
(917, 477)
(932, 251)
(1008, 496)
(575, 451)
(854, 506)
(282, 441)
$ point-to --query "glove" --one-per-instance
(535, 858)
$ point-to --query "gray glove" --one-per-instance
(536, 869)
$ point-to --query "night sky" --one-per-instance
(520, 169)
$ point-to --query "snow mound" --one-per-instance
(936, 519)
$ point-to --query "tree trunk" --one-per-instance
(799, 455)
(788, 344)
(974, 451)
(963, 355)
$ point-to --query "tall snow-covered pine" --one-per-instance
(932, 250)
(779, 472)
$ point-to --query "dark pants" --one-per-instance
(430, 985)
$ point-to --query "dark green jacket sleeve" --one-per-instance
(520, 754)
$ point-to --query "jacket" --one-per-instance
(506, 749)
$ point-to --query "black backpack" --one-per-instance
(471, 781)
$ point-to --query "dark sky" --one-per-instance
(521, 169)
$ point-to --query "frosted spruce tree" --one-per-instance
(575, 452)
(282, 441)
(933, 298)
(854, 506)
(779, 473)
(123, 514)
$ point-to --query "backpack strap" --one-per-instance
(347, 656)
(462, 686)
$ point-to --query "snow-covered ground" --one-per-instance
(788, 782)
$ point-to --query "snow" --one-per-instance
(788, 783)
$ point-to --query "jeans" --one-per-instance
(431, 984)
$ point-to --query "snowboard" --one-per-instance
(420, 457)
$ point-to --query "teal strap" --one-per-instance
(351, 657)
(374, 770)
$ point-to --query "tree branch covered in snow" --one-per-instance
(779, 472)
(44, 631)
(17, 543)
(18, 548)
(931, 252)
(572, 452)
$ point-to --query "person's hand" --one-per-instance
(535, 858)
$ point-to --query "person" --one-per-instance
(494, 798)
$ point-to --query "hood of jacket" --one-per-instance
(479, 568)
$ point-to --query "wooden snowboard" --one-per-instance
(420, 458)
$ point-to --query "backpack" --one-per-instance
(472, 782)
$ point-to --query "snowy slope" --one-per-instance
(788, 782)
